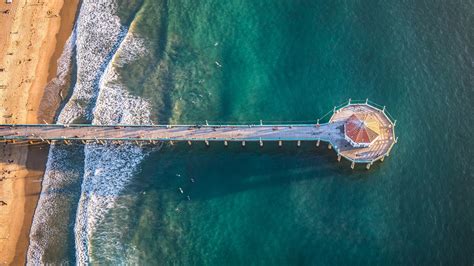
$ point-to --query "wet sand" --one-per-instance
(32, 38)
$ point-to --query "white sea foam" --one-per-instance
(102, 44)
(55, 176)
(99, 35)
(114, 103)
(108, 169)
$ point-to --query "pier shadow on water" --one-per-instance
(217, 171)
(234, 188)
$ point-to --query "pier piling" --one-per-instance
(333, 133)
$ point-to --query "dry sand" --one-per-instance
(32, 37)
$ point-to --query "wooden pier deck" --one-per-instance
(331, 132)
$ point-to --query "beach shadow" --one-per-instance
(36, 155)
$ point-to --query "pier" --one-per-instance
(358, 131)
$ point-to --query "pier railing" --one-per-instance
(241, 123)
(369, 103)
(208, 125)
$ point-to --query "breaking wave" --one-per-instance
(57, 176)
(109, 168)
(102, 45)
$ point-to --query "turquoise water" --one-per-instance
(286, 60)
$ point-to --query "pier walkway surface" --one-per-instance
(331, 132)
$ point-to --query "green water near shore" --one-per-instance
(294, 60)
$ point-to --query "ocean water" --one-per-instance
(154, 61)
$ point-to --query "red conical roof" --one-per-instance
(362, 128)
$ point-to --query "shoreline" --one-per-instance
(35, 36)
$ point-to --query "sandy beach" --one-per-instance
(32, 38)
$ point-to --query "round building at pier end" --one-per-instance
(369, 132)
